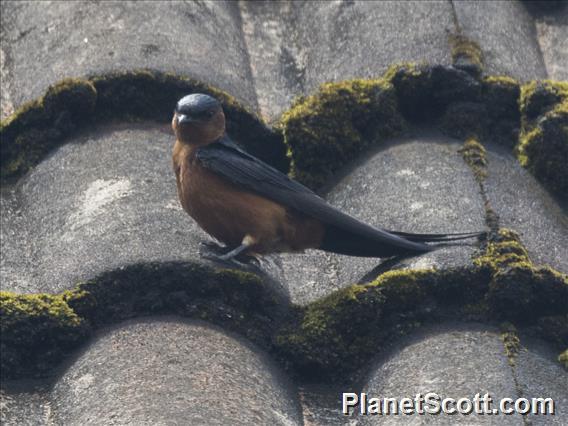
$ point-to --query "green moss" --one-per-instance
(563, 359)
(32, 131)
(413, 87)
(39, 329)
(543, 144)
(346, 329)
(325, 130)
(544, 151)
(501, 80)
(518, 289)
(474, 154)
(322, 133)
(500, 95)
(39, 126)
(505, 250)
(511, 342)
(449, 97)
(153, 95)
(326, 331)
(403, 288)
(466, 54)
(329, 128)
(464, 120)
(539, 97)
(492, 114)
(341, 331)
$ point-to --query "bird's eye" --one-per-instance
(209, 114)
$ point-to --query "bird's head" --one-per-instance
(198, 119)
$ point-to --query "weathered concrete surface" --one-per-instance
(24, 403)
(372, 36)
(276, 52)
(265, 54)
(452, 360)
(415, 184)
(173, 372)
(105, 200)
(524, 206)
(44, 42)
(296, 46)
(552, 31)
(506, 34)
(540, 375)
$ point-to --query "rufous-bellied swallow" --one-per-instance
(254, 209)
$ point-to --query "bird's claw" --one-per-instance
(217, 253)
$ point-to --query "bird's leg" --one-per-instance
(237, 255)
(234, 253)
(247, 242)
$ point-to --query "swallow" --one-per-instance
(255, 209)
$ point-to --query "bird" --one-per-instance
(255, 210)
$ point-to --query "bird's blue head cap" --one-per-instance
(197, 107)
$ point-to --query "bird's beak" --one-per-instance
(182, 119)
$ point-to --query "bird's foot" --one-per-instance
(221, 254)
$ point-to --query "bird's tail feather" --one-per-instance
(438, 237)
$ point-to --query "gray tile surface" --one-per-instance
(526, 207)
(44, 42)
(451, 360)
(296, 46)
(506, 34)
(169, 371)
(552, 32)
(103, 201)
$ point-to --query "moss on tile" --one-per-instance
(466, 54)
(474, 154)
(424, 92)
(37, 127)
(322, 131)
(339, 334)
(34, 130)
(511, 342)
(325, 130)
(331, 127)
(544, 152)
(39, 329)
(543, 143)
(500, 95)
(465, 120)
(519, 290)
(342, 331)
(502, 81)
(539, 97)
(346, 329)
(492, 114)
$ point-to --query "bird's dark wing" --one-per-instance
(344, 234)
